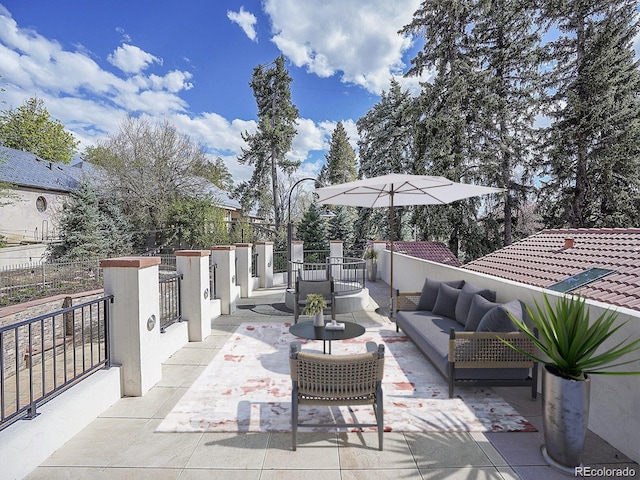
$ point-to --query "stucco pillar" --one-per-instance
(134, 328)
(265, 263)
(228, 292)
(243, 254)
(195, 297)
(336, 254)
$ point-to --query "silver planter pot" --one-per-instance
(565, 415)
(372, 269)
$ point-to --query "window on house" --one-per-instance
(41, 204)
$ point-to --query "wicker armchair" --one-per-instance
(339, 380)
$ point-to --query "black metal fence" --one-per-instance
(170, 300)
(43, 356)
(29, 281)
(348, 273)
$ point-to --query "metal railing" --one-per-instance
(254, 265)
(170, 300)
(21, 283)
(348, 273)
(280, 261)
(43, 356)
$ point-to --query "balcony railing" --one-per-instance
(170, 305)
(348, 273)
(43, 356)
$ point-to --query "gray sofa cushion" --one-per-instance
(446, 301)
(478, 309)
(430, 292)
(467, 293)
(430, 333)
(497, 320)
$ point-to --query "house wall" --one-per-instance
(614, 399)
(20, 221)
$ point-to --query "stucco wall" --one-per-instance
(22, 254)
(21, 221)
(614, 399)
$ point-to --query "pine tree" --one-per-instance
(116, 227)
(80, 229)
(444, 145)
(504, 38)
(312, 229)
(341, 158)
(267, 148)
(592, 146)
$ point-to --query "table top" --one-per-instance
(309, 331)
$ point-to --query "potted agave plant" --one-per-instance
(315, 307)
(569, 344)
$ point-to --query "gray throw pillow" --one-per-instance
(430, 292)
(468, 292)
(446, 301)
(478, 309)
(497, 320)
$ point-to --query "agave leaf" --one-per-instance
(571, 341)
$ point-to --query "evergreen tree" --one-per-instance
(341, 226)
(312, 230)
(267, 148)
(80, 227)
(30, 128)
(592, 167)
(386, 145)
(116, 227)
(506, 42)
(445, 142)
(341, 158)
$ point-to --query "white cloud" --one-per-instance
(132, 59)
(247, 22)
(357, 40)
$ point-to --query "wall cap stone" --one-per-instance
(130, 262)
(193, 253)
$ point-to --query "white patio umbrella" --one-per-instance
(397, 190)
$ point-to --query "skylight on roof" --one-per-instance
(580, 279)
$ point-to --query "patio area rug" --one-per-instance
(247, 388)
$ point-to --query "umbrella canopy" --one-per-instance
(398, 190)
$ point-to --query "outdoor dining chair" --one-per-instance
(336, 380)
(305, 287)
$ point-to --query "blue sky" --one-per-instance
(94, 62)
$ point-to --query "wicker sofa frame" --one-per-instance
(481, 350)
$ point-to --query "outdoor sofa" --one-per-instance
(458, 327)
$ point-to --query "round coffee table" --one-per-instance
(309, 331)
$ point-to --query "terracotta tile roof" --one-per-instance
(544, 259)
(433, 251)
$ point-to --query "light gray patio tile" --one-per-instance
(64, 473)
(360, 451)
(99, 443)
(300, 475)
(489, 449)
(230, 451)
(192, 356)
(154, 449)
(176, 375)
(539, 472)
(141, 407)
(317, 450)
(518, 448)
(392, 474)
(443, 450)
(461, 473)
(213, 474)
